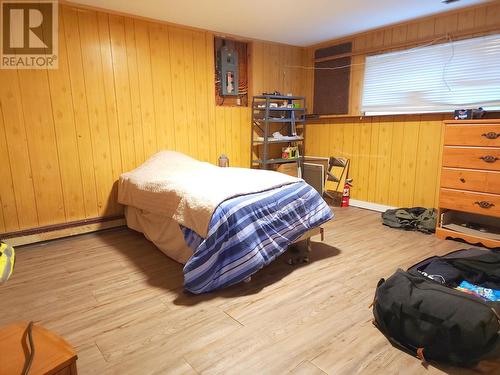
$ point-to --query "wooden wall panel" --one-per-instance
(278, 68)
(394, 159)
(17, 148)
(84, 151)
(96, 106)
(66, 136)
(8, 209)
(125, 89)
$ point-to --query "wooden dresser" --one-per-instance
(470, 182)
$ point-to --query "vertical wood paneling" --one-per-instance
(41, 142)
(179, 89)
(80, 113)
(146, 95)
(210, 98)
(133, 81)
(365, 154)
(201, 72)
(162, 86)
(17, 148)
(66, 137)
(190, 99)
(427, 171)
(8, 210)
(409, 158)
(394, 159)
(125, 89)
(277, 67)
(110, 103)
(122, 91)
(373, 161)
(385, 139)
(96, 107)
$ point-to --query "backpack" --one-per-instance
(426, 311)
(415, 218)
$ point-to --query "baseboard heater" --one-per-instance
(73, 228)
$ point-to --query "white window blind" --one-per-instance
(437, 78)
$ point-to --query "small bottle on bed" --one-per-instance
(223, 161)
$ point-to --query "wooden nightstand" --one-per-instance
(53, 355)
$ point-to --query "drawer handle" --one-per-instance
(489, 158)
(484, 204)
(491, 135)
(462, 180)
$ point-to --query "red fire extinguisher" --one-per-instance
(346, 193)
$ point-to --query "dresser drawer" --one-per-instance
(472, 157)
(472, 135)
(468, 179)
(481, 203)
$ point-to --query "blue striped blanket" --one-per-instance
(248, 232)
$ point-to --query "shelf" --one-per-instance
(297, 139)
(279, 109)
(279, 120)
(279, 97)
(276, 161)
(272, 112)
(446, 233)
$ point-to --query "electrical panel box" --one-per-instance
(228, 67)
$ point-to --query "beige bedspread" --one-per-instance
(165, 233)
(188, 191)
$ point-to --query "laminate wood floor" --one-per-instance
(119, 301)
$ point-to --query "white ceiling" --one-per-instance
(293, 22)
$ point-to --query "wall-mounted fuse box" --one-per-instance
(228, 67)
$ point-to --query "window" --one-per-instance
(437, 78)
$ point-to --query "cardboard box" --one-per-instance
(290, 169)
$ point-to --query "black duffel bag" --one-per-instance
(421, 312)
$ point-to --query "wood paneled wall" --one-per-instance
(394, 159)
(278, 67)
(125, 88)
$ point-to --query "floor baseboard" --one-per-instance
(52, 232)
(370, 206)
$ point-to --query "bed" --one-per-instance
(223, 224)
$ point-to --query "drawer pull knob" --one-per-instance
(462, 180)
(491, 135)
(489, 158)
(484, 204)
